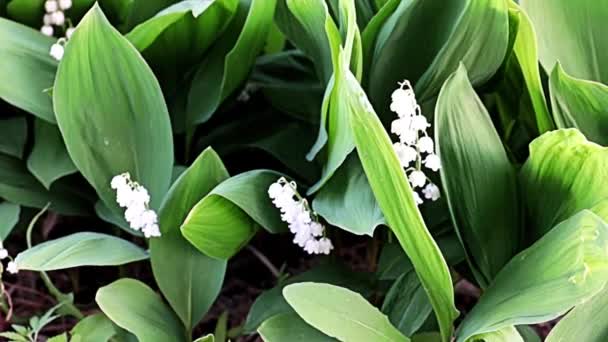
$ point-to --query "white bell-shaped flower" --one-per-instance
(12, 267)
(432, 162)
(417, 178)
(425, 145)
(431, 191)
(56, 51)
(406, 154)
(3, 253)
(51, 6)
(65, 4)
(47, 30)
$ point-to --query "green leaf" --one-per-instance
(574, 263)
(26, 62)
(188, 279)
(59, 338)
(587, 322)
(580, 104)
(560, 178)
(94, 328)
(478, 179)
(127, 129)
(372, 31)
(406, 304)
(340, 313)
(79, 249)
(49, 159)
(271, 302)
(224, 221)
(347, 201)
(508, 334)
(525, 51)
(573, 33)
(394, 195)
(17, 185)
(290, 327)
(13, 135)
(178, 36)
(528, 333)
(229, 63)
(207, 338)
(9, 216)
(434, 37)
(133, 306)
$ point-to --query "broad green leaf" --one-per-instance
(394, 196)
(119, 121)
(587, 322)
(118, 220)
(139, 11)
(49, 159)
(13, 135)
(27, 69)
(574, 263)
(271, 302)
(207, 338)
(59, 338)
(9, 216)
(221, 223)
(133, 306)
(17, 185)
(525, 51)
(347, 201)
(508, 334)
(94, 328)
(229, 62)
(372, 30)
(573, 33)
(580, 104)
(188, 279)
(178, 36)
(528, 333)
(560, 178)
(424, 41)
(79, 249)
(290, 327)
(340, 313)
(406, 304)
(478, 179)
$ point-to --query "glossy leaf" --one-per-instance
(580, 104)
(290, 327)
(133, 306)
(574, 263)
(573, 33)
(224, 221)
(127, 129)
(478, 179)
(49, 159)
(26, 62)
(79, 249)
(9, 216)
(347, 201)
(394, 196)
(188, 279)
(13, 135)
(340, 313)
(229, 63)
(560, 179)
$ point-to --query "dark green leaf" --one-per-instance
(290, 327)
(13, 134)
(406, 304)
(9, 216)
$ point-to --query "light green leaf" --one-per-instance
(340, 313)
(229, 63)
(560, 178)
(79, 249)
(207, 338)
(49, 159)
(406, 304)
(573, 33)
(424, 41)
(478, 179)
(188, 279)
(580, 104)
(574, 263)
(394, 195)
(290, 327)
(178, 36)
(133, 306)
(94, 328)
(9, 216)
(26, 62)
(508, 334)
(224, 221)
(587, 322)
(347, 201)
(119, 121)
(13, 135)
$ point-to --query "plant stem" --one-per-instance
(264, 260)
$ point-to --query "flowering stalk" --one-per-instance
(414, 142)
(302, 221)
(55, 17)
(135, 198)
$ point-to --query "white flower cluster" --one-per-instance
(309, 232)
(413, 142)
(11, 267)
(135, 198)
(55, 17)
